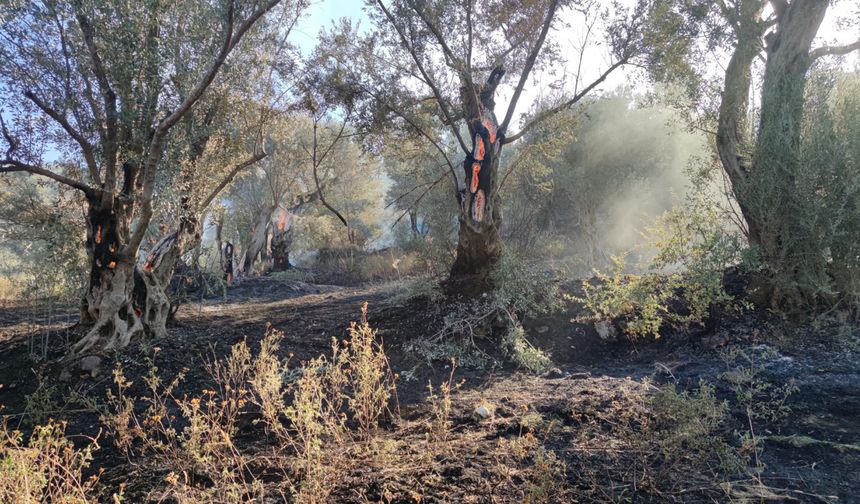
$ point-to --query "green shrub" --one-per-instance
(523, 353)
(693, 250)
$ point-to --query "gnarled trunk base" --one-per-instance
(110, 306)
(479, 249)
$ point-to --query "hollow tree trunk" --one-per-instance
(153, 286)
(282, 240)
(227, 262)
(110, 310)
(479, 244)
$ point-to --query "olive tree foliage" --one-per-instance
(425, 221)
(429, 71)
(278, 205)
(41, 231)
(772, 49)
(106, 85)
(829, 184)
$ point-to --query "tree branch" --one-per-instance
(427, 78)
(542, 116)
(230, 42)
(155, 146)
(230, 176)
(109, 132)
(86, 147)
(12, 165)
(438, 35)
(834, 50)
(530, 62)
(426, 135)
(315, 164)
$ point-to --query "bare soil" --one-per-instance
(810, 455)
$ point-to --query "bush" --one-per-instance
(196, 440)
(422, 287)
(523, 353)
(521, 288)
(524, 287)
(48, 468)
(693, 250)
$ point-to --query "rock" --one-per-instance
(484, 411)
(606, 330)
(553, 374)
(91, 364)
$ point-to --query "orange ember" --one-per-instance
(283, 220)
(229, 279)
(99, 234)
(112, 265)
(489, 126)
(479, 148)
(476, 168)
(479, 206)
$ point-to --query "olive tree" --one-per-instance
(431, 70)
(102, 85)
(757, 120)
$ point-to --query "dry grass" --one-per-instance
(329, 430)
(47, 468)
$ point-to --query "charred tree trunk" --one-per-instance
(157, 272)
(282, 240)
(111, 309)
(227, 262)
(479, 245)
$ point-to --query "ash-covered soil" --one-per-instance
(592, 411)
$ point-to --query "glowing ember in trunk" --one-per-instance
(476, 169)
(99, 234)
(489, 125)
(478, 209)
(283, 220)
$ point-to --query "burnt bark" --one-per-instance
(111, 313)
(479, 245)
(282, 240)
(227, 262)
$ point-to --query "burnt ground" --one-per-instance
(809, 453)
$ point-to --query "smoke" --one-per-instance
(623, 166)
